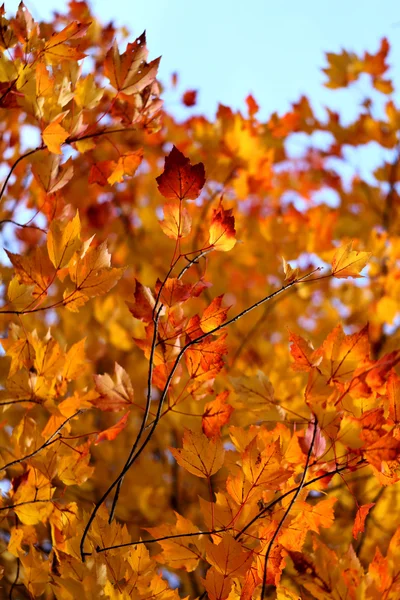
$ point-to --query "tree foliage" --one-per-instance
(200, 332)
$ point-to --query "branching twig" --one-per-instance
(48, 442)
(287, 511)
(135, 456)
(162, 539)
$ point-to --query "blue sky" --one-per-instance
(228, 48)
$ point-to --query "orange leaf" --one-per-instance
(200, 456)
(393, 393)
(222, 229)
(216, 414)
(129, 72)
(101, 171)
(303, 353)
(54, 135)
(180, 180)
(177, 221)
(216, 585)
(349, 263)
(126, 165)
(361, 515)
(115, 394)
(143, 306)
(112, 432)
(228, 557)
(214, 315)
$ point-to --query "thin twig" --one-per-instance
(49, 441)
(287, 511)
(164, 393)
(156, 317)
(162, 539)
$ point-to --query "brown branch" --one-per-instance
(156, 316)
(162, 539)
(48, 442)
(135, 456)
(287, 511)
(15, 164)
(23, 225)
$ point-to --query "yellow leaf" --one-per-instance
(126, 165)
(177, 221)
(75, 361)
(20, 294)
(63, 240)
(349, 263)
(54, 135)
(200, 456)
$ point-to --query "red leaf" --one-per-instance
(180, 180)
(361, 515)
(189, 97)
(112, 432)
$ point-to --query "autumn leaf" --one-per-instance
(112, 432)
(115, 394)
(303, 353)
(349, 263)
(214, 315)
(144, 303)
(228, 557)
(54, 135)
(63, 240)
(50, 174)
(177, 222)
(216, 414)
(126, 165)
(290, 273)
(129, 72)
(180, 180)
(200, 456)
(222, 229)
(189, 98)
(359, 523)
(180, 552)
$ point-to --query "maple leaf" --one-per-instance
(179, 553)
(112, 432)
(177, 222)
(63, 240)
(303, 353)
(126, 165)
(56, 48)
(290, 273)
(48, 171)
(115, 395)
(222, 229)
(228, 557)
(362, 514)
(101, 171)
(217, 585)
(143, 306)
(54, 135)
(214, 315)
(349, 263)
(129, 72)
(200, 456)
(91, 274)
(216, 414)
(180, 180)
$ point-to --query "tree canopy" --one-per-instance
(200, 385)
